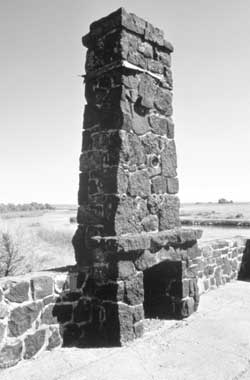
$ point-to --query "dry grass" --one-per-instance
(24, 249)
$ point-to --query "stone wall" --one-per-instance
(28, 320)
(221, 261)
(45, 310)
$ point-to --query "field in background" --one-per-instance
(236, 213)
(38, 240)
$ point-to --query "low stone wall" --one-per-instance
(221, 261)
(27, 315)
(41, 311)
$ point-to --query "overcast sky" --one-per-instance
(42, 96)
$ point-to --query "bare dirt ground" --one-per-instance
(212, 344)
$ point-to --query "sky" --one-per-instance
(42, 94)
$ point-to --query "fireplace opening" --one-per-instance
(163, 290)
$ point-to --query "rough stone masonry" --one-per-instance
(129, 243)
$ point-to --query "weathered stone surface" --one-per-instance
(159, 125)
(145, 260)
(138, 329)
(22, 317)
(163, 101)
(139, 184)
(4, 310)
(146, 91)
(10, 354)
(187, 307)
(18, 291)
(134, 289)
(47, 316)
(159, 185)
(2, 331)
(55, 339)
(33, 343)
(133, 242)
(127, 217)
(42, 286)
(172, 185)
(152, 143)
(140, 124)
(169, 213)
(125, 323)
(126, 269)
(169, 160)
(150, 223)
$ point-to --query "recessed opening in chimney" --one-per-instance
(163, 290)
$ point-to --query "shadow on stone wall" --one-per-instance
(85, 320)
(244, 272)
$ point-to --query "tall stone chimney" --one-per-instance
(129, 243)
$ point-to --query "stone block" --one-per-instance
(159, 185)
(55, 339)
(185, 288)
(18, 291)
(138, 313)
(133, 242)
(47, 316)
(147, 91)
(22, 317)
(146, 49)
(33, 343)
(4, 310)
(126, 269)
(112, 291)
(187, 307)
(139, 184)
(131, 152)
(2, 331)
(145, 261)
(128, 216)
(150, 223)
(62, 312)
(159, 124)
(134, 290)
(83, 188)
(152, 143)
(169, 160)
(163, 101)
(226, 267)
(138, 329)
(140, 123)
(172, 185)
(115, 180)
(10, 354)
(83, 311)
(42, 286)
(125, 316)
(217, 275)
(193, 252)
(169, 213)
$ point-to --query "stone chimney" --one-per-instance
(129, 242)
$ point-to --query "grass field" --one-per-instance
(36, 241)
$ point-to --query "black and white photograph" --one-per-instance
(125, 190)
